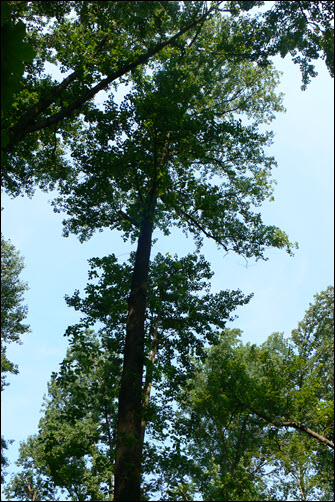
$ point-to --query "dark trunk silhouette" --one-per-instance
(129, 435)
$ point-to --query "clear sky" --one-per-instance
(283, 286)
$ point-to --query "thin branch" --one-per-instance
(294, 425)
(32, 492)
(299, 485)
(183, 493)
(200, 227)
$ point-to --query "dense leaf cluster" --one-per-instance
(97, 45)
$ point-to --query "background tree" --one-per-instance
(74, 449)
(263, 416)
(13, 312)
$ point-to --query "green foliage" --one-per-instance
(261, 418)
(72, 450)
(12, 310)
(104, 44)
(75, 445)
(4, 460)
(185, 147)
(99, 43)
(15, 52)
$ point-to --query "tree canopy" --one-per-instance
(186, 147)
(98, 45)
(232, 430)
(261, 418)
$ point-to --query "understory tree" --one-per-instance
(261, 418)
(74, 449)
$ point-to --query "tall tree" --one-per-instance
(158, 188)
(101, 44)
(174, 153)
(75, 446)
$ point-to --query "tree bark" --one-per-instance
(148, 378)
(129, 444)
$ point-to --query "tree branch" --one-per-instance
(294, 425)
(183, 493)
(200, 227)
(124, 216)
(27, 124)
(307, 430)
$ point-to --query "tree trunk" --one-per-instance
(148, 378)
(129, 444)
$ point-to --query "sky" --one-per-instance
(283, 286)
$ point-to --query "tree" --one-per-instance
(74, 449)
(12, 310)
(12, 315)
(264, 415)
(4, 460)
(104, 43)
(14, 53)
(179, 129)
(161, 158)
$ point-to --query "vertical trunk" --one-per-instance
(148, 379)
(129, 444)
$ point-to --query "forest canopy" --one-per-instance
(155, 394)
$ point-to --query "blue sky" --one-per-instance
(283, 286)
